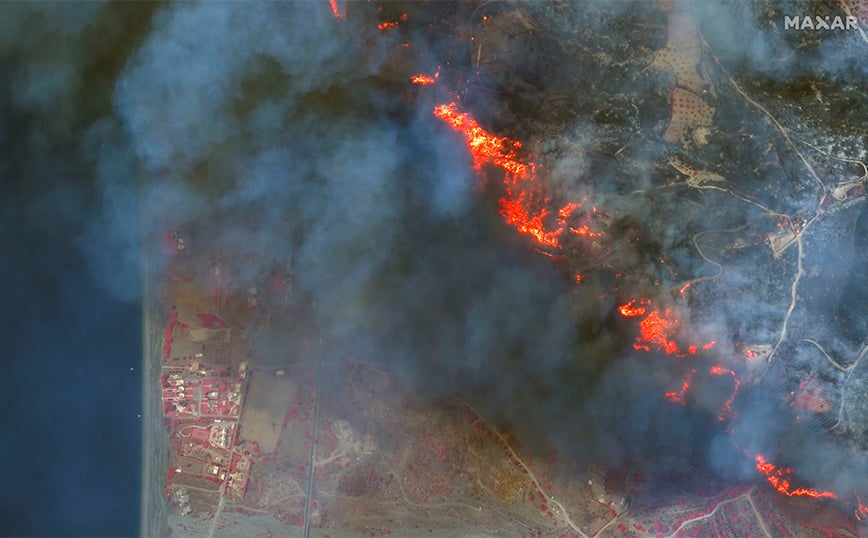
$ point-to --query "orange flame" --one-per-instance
(779, 478)
(484, 147)
(727, 405)
(515, 212)
(386, 25)
(422, 79)
(565, 212)
(630, 311)
(336, 9)
(584, 231)
(657, 329)
(516, 207)
(678, 397)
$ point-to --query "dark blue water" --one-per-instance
(71, 437)
(69, 402)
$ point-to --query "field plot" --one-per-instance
(262, 417)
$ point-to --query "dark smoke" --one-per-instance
(282, 134)
(292, 134)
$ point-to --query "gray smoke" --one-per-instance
(271, 125)
(293, 134)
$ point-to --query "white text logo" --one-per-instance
(820, 23)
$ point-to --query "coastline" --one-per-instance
(154, 512)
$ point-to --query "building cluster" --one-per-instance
(201, 405)
(181, 501)
(220, 397)
(180, 395)
(239, 476)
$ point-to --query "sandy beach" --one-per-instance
(154, 509)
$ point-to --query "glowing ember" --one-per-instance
(337, 11)
(755, 351)
(386, 25)
(684, 289)
(630, 310)
(558, 260)
(657, 329)
(584, 231)
(861, 511)
(578, 278)
(678, 397)
(565, 212)
(719, 370)
(426, 79)
(422, 79)
(727, 405)
(779, 478)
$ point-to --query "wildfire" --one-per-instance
(485, 147)
(517, 206)
(565, 212)
(657, 329)
(727, 405)
(423, 80)
(629, 310)
(753, 352)
(516, 213)
(678, 397)
(337, 11)
(584, 231)
(861, 510)
(779, 478)
(388, 25)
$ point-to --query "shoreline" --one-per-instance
(153, 513)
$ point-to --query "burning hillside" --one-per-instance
(526, 207)
(491, 245)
